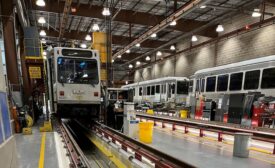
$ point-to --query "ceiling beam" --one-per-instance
(142, 18)
(177, 15)
(64, 20)
(118, 40)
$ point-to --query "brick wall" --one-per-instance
(249, 45)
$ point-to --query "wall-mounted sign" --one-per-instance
(35, 72)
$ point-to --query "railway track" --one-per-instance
(96, 145)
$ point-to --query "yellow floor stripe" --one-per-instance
(42, 151)
(107, 153)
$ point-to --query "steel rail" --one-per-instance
(257, 135)
(159, 158)
(77, 157)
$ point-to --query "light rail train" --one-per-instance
(160, 90)
(74, 82)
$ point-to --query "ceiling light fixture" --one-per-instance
(138, 62)
(203, 6)
(73, 9)
(219, 28)
(137, 45)
(173, 23)
(172, 47)
(44, 53)
(147, 58)
(113, 60)
(128, 51)
(159, 53)
(40, 3)
(41, 20)
(126, 82)
(42, 33)
(88, 37)
(119, 56)
(83, 45)
(194, 38)
(106, 12)
(43, 41)
(154, 35)
(131, 66)
(256, 13)
(95, 27)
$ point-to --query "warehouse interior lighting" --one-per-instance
(130, 66)
(219, 28)
(106, 12)
(41, 20)
(159, 53)
(174, 23)
(113, 60)
(40, 3)
(42, 33)
(194, 38)
(256, 13)
(95, 27)
(43, 41)
(147, 58)
(126, 82)
(154, 35)
(137, 45)
(172, 47)
(203, 6)
(44, 53)
(88, 37)
(128, 51)
(119, 56)
(138, 63)
(83, 45)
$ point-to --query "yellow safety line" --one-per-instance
(260, 150)
(42, 151)
(107, 153)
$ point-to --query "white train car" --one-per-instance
(74, 82)
(173, 89)
(255, 75)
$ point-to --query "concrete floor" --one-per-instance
(200, 154)
(29, 146)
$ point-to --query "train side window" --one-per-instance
(153, 90)
(251, 80)
(182, 87)
(202, 85)
(140, 91)
(268, 78)
(173, 88)
(236, 81)
(211, 84)
(222, 83)
(158, 89)
(197, 85)
(148, 90)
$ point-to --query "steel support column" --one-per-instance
(7, 13)
(25, 75)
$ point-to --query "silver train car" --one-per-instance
(160, 90)
(255, 75)
(74, 82)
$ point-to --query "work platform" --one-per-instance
(206, 153)
(41, 149)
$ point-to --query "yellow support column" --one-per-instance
(100, 44)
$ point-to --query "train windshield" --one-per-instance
(77, 71)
